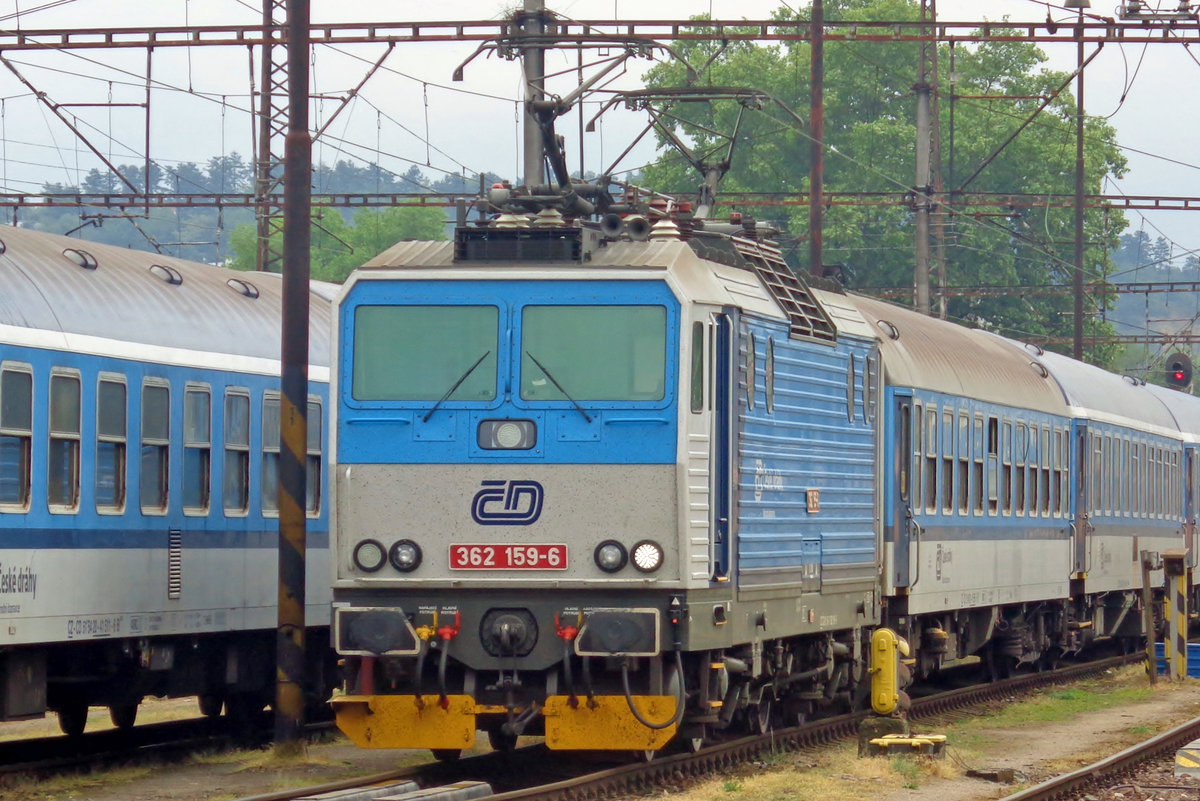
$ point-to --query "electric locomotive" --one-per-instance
(604, 490)
(139, 454)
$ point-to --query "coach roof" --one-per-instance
(70, 286)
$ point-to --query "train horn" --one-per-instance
(612, 225)
(638, 227)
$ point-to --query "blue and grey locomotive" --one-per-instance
(619, 492)
(139, 452)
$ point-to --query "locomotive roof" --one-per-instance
(146, 298)
(936, 355)
(698, 278)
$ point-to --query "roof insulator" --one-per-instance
(665, 230)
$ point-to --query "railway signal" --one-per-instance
(1179, 371)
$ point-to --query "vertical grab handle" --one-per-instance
(915, 532)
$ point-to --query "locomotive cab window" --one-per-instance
(697, 383)
(111, 442)
(16, 436)
(62, 477)
(593, 353)
(426, 353)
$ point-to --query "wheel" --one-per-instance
(72, 718)
(501, 741)
(447, 754)
(758, 716)
(210, 704)
(123, 716)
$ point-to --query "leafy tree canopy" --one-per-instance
(870, 140)
(339, 247)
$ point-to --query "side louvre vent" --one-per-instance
(175, 564)
(808, 319)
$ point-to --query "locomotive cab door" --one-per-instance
(722, 450)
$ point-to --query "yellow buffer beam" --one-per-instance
(398, 721)
(606, 723)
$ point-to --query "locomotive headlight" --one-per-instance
(647, 556)
(405, 555)
(507, 435)
(369, 555)
(610, 556)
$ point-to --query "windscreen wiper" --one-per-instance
(456, 385)
(559, 386)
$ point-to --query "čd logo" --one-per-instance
(507, 503)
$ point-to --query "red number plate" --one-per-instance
(508, 557)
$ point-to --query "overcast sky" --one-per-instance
(412, 112)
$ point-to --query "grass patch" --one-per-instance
(54, 788)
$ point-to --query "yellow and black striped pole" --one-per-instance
(1175, 612)
(293, 424)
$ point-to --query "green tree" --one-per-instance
(870, 136)
(338, 247)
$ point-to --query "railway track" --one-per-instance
(506, 773)
(1103, 775)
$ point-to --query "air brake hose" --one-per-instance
(681, 701)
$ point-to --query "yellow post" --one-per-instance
(1175, 612)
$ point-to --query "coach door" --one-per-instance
(1189, 503)
(1079, 521)
(902, 488)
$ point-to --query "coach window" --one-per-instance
(271, 433)
(1006, 469)
(62, 485)
(993, 465)
(697, 368)
(963, 482)
(16, 436)
(931, 457)
(977, 466)
(156, 441)
(1032, 469)
(236, 487)
(197, 449)
(1020, 456)
(1057, 474)
(1135, 467)
(111, 421)
(948, 461)
(1044, 462)
(312, 483)
(915, 459)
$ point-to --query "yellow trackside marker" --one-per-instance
(1187, 760)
